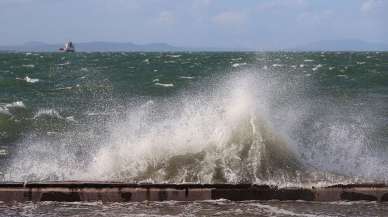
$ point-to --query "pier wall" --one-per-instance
(122, 192)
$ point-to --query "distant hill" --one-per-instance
(97, 46)
(342, 45)
(102, 46)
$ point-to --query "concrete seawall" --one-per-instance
(123, 192)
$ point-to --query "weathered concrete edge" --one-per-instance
(127, 192)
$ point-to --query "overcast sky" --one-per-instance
(258, 24)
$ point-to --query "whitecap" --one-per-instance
(64, 64)
(31, 80)
(156, 80)
(164, 84)
(17, 104)
(174, 56)
(186, 77)
(4, 111)
(317, 67)
(343, 76)
(308, 60)
(238, 64)
(331, 68)
(277, 65)
(301, 66)
(71, 119)
(28, 65)
(275, 211)
(48, 112)
(3, 152)
(64, 88)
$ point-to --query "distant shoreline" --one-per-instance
(350, 45)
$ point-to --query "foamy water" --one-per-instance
(251, 124)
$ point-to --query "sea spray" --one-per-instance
(233, 125)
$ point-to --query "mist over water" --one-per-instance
(280, 118)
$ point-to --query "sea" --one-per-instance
(279, 118)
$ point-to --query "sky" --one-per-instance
(252, 24)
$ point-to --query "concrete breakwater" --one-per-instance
(124, 192)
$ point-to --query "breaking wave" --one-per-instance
(246, 128)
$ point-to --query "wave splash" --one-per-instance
(206, 139)
(232, 132)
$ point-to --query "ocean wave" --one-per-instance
(186, 77)
(29, 66)
(52, 113)
(29, 80)
(235, 65)
(275, 211)
(5, 112)
(9, 109)
(19, 104)
(248, 127)
(317, 67)
(164, 84)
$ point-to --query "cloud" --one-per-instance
(166, 18)
(369, 6)
(201, 3)
(230, 18)
(281, 4)
(315, 17)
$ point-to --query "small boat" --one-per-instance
(69, 47)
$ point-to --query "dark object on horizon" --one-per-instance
(69, 47)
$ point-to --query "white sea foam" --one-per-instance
(174, 56)
(210, 129)
(235, 65)
(29, 65)
(5, 108)
(4, 111)
(71, 119)
(343, 76)
(18, 104)
(274, 211)
(64, 64)
(31, 80)
(186, 77)
(48, 112)
(317, 67)
(164, 84)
